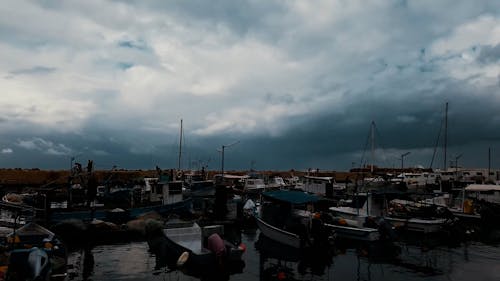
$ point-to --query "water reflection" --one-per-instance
(268, 260)
(281, 262)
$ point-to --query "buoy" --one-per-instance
(182, 259)
(243, 247)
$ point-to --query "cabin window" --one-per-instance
(487, 192)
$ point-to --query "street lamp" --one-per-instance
(402, 159)
(222, 156)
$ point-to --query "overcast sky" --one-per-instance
(295, 83)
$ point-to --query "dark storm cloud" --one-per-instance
(296, 83)
(240, 16)
(489, 54)
(139, 45)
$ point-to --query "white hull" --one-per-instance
(355, 233)
(279, 235)
(418, 225)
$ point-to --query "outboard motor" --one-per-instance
(386, 230)
(37, 262)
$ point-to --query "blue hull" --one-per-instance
(121, 217)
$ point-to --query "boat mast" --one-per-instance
(373, 144)
(445, 134)
(180, 149)
(489, 163)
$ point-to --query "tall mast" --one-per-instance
(489, 163)
(445, 134)
(373, 144)
(180, 148)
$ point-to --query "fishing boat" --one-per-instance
(204, 249)
(119, 215)
(417, 217)
(287, 217)
(161, 196)
(353, 220)
(35, 253)
(322, 186)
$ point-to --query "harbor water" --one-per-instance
(413, 260)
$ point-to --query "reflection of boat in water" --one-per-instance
(282, 262)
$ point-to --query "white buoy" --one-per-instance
(182, 259)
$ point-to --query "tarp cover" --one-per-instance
(482, 187)
(293, 197)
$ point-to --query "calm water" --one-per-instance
(467, 261)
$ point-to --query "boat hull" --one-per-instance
(355, 233)
(120, 217)
(418, 225)
(279, 235)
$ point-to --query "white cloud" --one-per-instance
(484, 30)
(247, 68)
(45, 146)
(7, 151)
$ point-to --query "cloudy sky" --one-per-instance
(296, 83)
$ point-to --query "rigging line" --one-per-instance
(366, 145)
(437, 143)
(379, 137)
(443, 120)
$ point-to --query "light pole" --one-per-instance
(402, 159)
(222, 156)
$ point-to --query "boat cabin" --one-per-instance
(487, 192)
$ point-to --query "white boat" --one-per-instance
(401, 216)
(279, 235)
(276, 183)
(322, 186)
(254, 185)
(352, 220)
(355, 233)
(487, 192)
(286, 217)
(429, 225)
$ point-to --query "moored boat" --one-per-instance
(35, 253)
(286, 216)
(194, 247)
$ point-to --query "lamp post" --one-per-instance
(402, 159)
(222, 156)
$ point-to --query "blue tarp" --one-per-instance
(292, 197)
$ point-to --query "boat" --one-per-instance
(287, 217)
(322, 186)
(483, 201)
(35, 253)
(162, 195)
(277, 182)
(278, 261)
(119, 215)
(353, 220)
(203, 249)
(417, 217)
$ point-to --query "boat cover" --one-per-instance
(290, 196)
